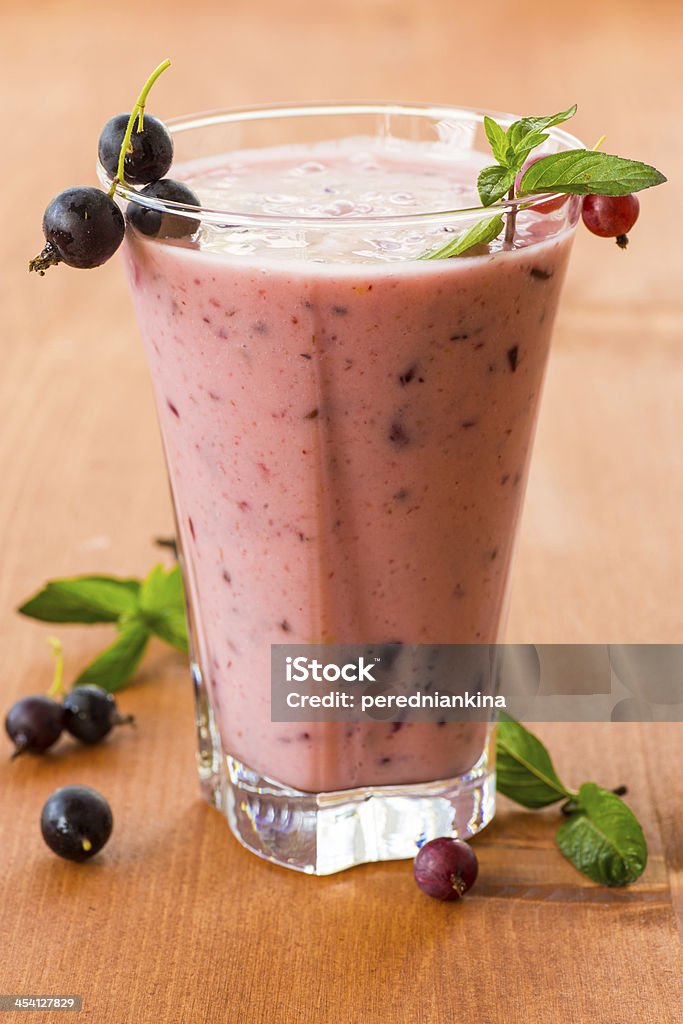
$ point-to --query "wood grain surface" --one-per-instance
(174, 922)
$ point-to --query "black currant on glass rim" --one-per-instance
(148, 156)
(84, 226)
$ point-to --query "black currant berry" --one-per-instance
(160, 224)
(34, 724)
(83, 228)
(152, 149)
(446, 868)
(76, 822)
(90, 713)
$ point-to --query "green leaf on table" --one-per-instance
(161, 589)
(494, 182)
(481, 233)
(85, 599)
(116, 664)
(603, 838)
(587, 172)
(524, 770)
(162, 606)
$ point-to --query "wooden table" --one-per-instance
(175, 922)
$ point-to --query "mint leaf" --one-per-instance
(493, 183)
(524, 770)
(587, 172)
(160, 588)
(162, 606)
(497, 139)
(86, 599)
(511, 148)
(172, 628)
(604, 839)
(527, 133)
(114, 666)
(481, 233)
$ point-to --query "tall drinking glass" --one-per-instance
(347, 429)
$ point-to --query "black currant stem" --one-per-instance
(47, 258)
(57, 687)
(123, 719)
(137, 113)
(510, 219)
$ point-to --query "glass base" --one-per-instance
(320, 833)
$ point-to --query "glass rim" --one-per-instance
(277, 111)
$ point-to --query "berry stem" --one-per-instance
(123, 719)
(510, 220)
(58, 680)
(47, 258)
(458, 884)
(138, 112)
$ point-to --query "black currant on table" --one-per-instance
(90, 713)
(76, 822)
(149, 155)
(611, 216)
(160, 224)
(83, 228)
(34, 724)
(446, 868)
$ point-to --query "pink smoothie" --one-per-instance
(348, 434)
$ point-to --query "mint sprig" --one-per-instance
(511, 149)
(140, 609)
(601, 835)
(573, 172)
